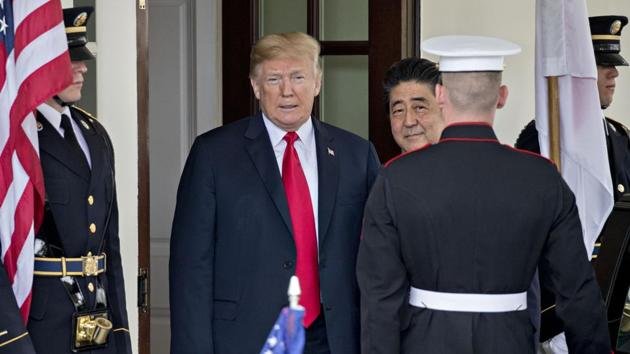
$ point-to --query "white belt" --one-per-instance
(462, 302)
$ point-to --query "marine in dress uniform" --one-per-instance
(453, 232)
(78, 299)
(606, 37)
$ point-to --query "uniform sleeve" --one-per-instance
(373, 166)
(381, 274)
(565, 268)
(14, 338)
(191, 257)
(528, 138)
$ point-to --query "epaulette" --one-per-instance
(619, 126)
(90, 115)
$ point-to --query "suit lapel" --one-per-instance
(328, 175)
(260, 151)
(95, 145)
(53, 144)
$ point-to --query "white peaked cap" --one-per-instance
(470, 53)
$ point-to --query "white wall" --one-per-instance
(515, 21)
(117, 100)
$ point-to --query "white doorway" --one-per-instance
(184, 101)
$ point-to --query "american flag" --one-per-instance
(287, 334)
(34, 65)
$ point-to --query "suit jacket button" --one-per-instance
(91, 287)
(90, 200)
(287, 265)
(621, 188)
(93, 228)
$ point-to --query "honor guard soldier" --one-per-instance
(78, 291)
(454, 232)
(606, 37)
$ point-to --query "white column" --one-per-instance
(117, 110)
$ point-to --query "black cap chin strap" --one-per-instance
(61, 102)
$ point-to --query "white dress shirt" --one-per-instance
(54, 118)
(307, 152)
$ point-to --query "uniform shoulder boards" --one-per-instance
(619, 126)
(90, 115)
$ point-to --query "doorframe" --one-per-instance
(144, 263)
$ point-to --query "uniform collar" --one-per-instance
(469, 130)
(52, 115)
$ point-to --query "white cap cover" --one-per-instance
(470, 53)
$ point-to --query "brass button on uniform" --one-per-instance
(91, 287)
(621, 188)
(93, 228)
(90, 200)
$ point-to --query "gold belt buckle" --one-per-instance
(90, 266)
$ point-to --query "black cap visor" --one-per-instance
(610, 59)
(82, 53)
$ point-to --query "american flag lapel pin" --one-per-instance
(331, 152)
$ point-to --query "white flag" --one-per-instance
(564, 49)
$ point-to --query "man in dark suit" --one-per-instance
(414, 114)
(454, 232)
(262, 199)
(78, 282)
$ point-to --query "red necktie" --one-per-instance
(301, 210)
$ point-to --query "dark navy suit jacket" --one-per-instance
(232, 248)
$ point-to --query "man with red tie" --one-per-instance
(262, 199)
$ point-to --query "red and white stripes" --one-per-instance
(32, 70)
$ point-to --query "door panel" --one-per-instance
(274, 19)
(344, 96)
(170, 124)
(334, 24)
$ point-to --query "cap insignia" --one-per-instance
(615, 27)
(80, 19)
